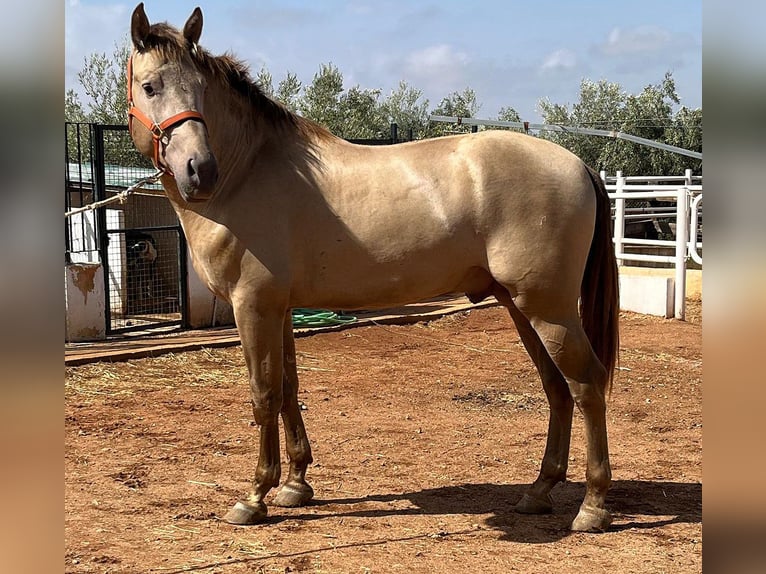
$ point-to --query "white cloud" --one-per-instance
(636, 41)
(435, 60)
(642, 50)
(558, 60)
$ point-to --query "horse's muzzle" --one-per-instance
(200, 178)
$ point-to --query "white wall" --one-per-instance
(84, 296)
(205, 309)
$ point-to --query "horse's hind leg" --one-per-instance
(560, 331)
(261, 333)
(295, 491)
(553, 469)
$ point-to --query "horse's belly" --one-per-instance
(356, 283)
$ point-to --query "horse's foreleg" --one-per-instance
(261, 335)
(295, 491)
(553, 469)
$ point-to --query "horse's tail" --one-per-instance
(599, 292)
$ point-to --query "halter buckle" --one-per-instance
(157, 132)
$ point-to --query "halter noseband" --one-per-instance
(158, 131)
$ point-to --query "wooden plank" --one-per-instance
(152, 345)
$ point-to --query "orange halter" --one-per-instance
(158, 131)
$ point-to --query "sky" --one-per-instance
(512, 53)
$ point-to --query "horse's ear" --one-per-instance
(139, 26)
(193, 27)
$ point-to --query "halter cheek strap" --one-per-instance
(158, 130)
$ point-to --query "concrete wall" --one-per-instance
(84, 295)
(205, 309)
(651, 291)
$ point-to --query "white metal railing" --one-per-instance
(686, 191)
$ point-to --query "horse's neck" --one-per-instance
(233, 135)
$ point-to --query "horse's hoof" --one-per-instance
(293, 494)
(531, 505)
(591, 519)
(245, 513)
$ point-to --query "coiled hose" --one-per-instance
(319, 318)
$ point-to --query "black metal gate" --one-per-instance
(140, 242)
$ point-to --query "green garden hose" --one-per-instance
(319, 318)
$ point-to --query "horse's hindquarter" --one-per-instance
(539, 214)
(403, 223)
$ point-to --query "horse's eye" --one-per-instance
(148, 89)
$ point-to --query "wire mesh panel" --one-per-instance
(142, 249)
(144, 278)
(80, 229)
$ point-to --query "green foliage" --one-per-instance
(104, 80)
(359, 113)
(458, 104)
(605, 105)
(321, 99)
(265, 82)
(77, 139)
(73, 110)
(288, 91)
(506, 114)
(404, 108)
(363, 115)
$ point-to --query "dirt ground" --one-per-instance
(424, 437)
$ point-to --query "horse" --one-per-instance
(279, 213)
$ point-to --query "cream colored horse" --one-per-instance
(279, 213)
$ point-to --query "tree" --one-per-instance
(265, 82)
(506, 114)
(458, 104)
(288, 91)
(404, 108)
(605, 105)
(104, 80)
(363, 115)
(321, 99)
(355, 113)
(77, 138)
(686, 132)
(73, 110)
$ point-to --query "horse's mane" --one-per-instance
(231, 72)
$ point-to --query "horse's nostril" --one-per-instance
(203, 172)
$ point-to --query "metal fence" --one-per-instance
(658, 222)
(139, 242)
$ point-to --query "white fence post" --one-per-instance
(682, 239)
(693, 224)
(619, 219)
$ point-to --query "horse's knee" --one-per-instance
(266, 406)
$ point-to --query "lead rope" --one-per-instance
(122, 197)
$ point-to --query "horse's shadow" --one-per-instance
(634, 503)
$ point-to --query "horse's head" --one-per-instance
(165, 97)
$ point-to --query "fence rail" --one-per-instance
(683, 222)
